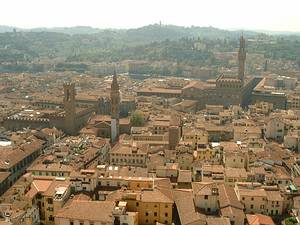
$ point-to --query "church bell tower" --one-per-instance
(115, 108)
(70, 108)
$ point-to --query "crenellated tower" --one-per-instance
(70, 108)
(115, 108)
(242, 59)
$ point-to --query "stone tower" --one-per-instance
(266, 66)
(242, 58)
(70, 108)
(115, 108)
(175, 131)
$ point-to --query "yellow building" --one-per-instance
(206, 153)
(195, 136)
(152, 205)
(139, 183)
(49, 195)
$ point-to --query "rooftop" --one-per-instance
(98, 211)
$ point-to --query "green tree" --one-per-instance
(137, 119)
(290, 221)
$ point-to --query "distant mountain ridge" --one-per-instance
(65, 30)
(188, 45)
(164, 31)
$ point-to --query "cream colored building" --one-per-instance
(128, 153)
(170, 170)
(233, 175)
(184, 156)
(292, 140)
(83, 180)
(235, 159)
(52, 170)
(195, 136)
(274, 204)
(241, 133)
(254, 200)
(293, 102)
(261, 108)
(49, 195)
(258, 199)
(205, 196)
(274, 129)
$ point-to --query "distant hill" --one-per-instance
(65, 30)
(4, 29)
(154, 32)
(282, 33)
(158, 32)
(187, 45)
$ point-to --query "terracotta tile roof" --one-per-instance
(186, 209)
(52, 167)
(38, 186)
(10, 157)
(155, 196)
(259, 219)
(203, 188)
(164, 186)
(54, 185)
(213, 168)
(236, 172)
(3, 176)
(274, 196)
(4, 223)
(197, 85)
(184, 176)
(253, 192)
(232, 212)
(159, 90)
(100, 211)
(217, 221)
(125, 149)
(227, 197)
(229, 204)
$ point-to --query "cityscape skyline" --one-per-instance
(149, 112)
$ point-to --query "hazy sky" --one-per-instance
(279, 15)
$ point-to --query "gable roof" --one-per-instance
(88, 210)
(186, 209)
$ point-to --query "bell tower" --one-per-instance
(70, 108)
(242, 59)
(115, 108)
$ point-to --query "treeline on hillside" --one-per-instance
(191, 46)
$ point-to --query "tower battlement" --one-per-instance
(12, 118)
